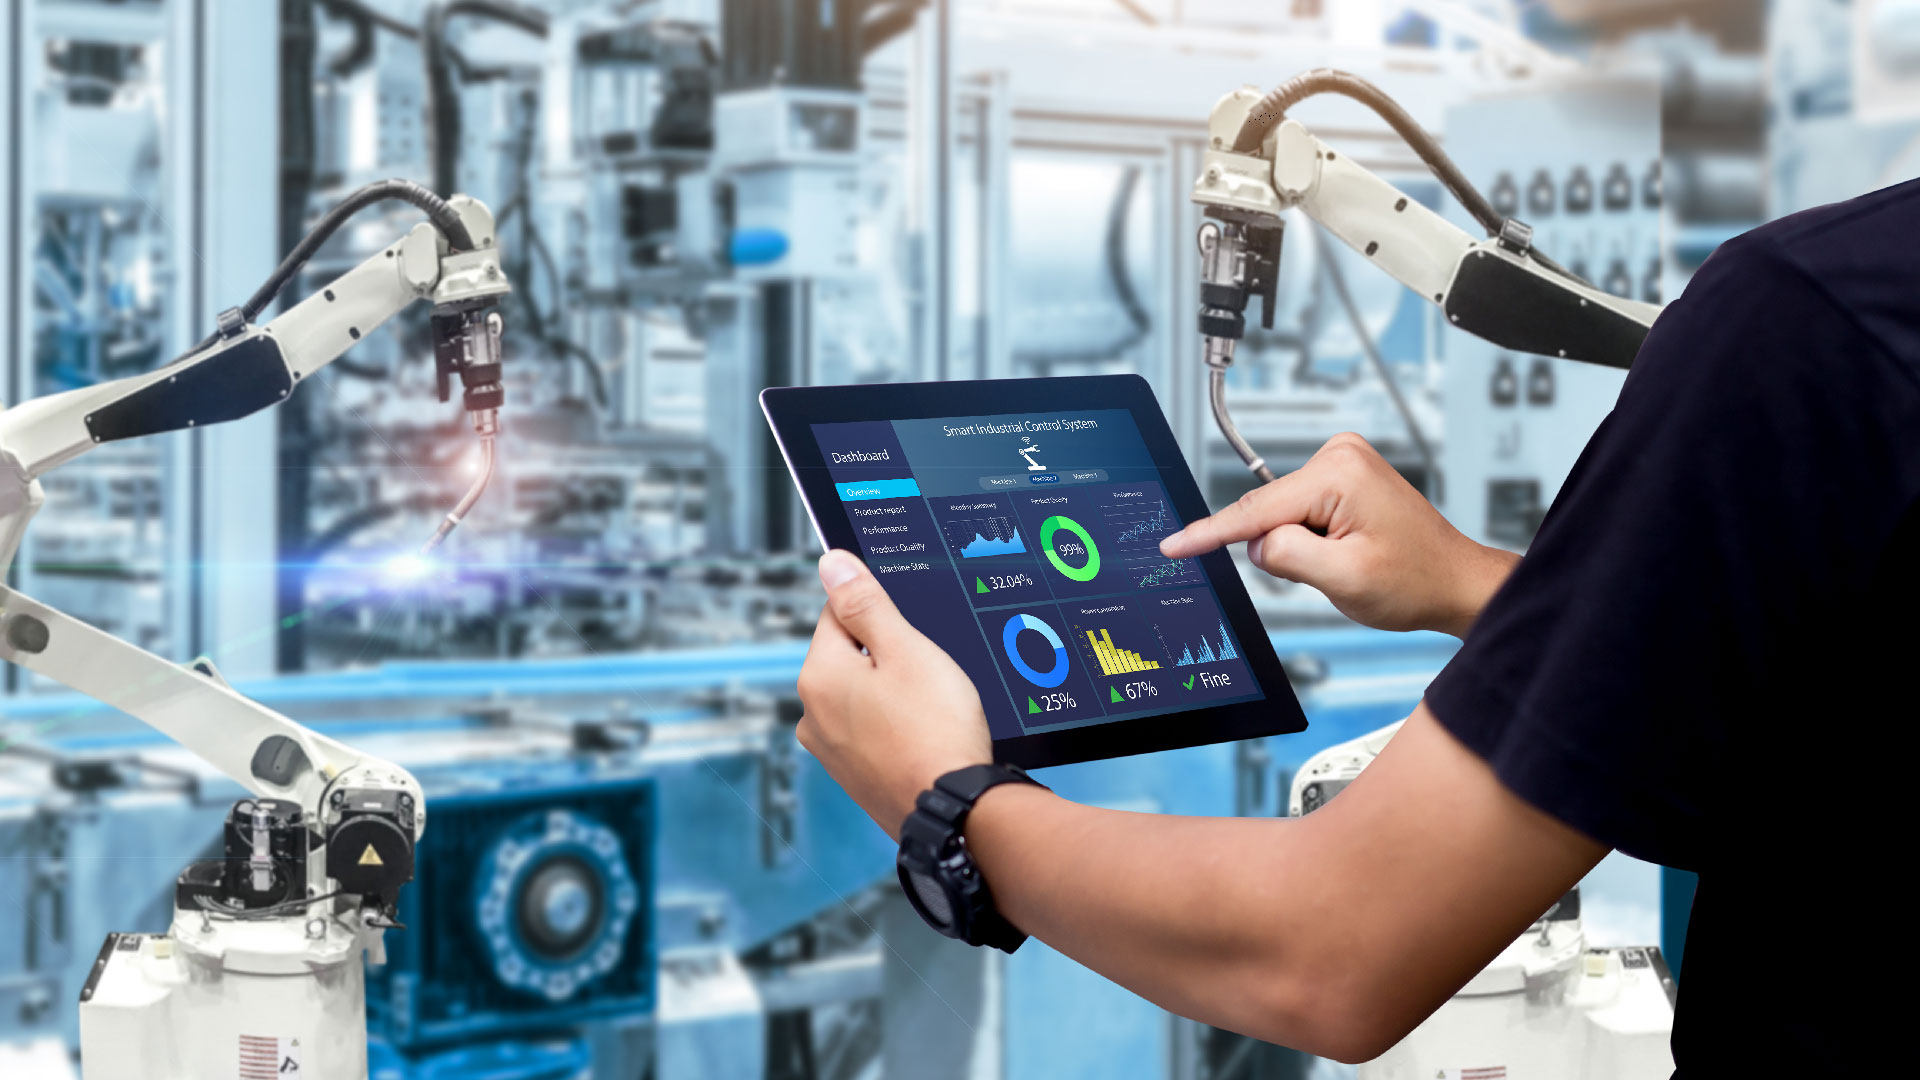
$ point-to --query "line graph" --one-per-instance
(1139, 519)
(1152, 526)
(978, 537)
(1168, 572)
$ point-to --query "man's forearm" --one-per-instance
(1335, 933)
(1187, 912)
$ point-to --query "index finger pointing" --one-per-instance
(1283, 502)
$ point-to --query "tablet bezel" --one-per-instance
(793, 411)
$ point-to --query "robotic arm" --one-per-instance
(267, 939)
(312, 792)
(1260, 163)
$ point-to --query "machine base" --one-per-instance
(155, 1010)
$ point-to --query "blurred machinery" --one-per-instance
(1844, 120)
(701, 197)
(1886, 60)
(1589, 182)
(675, 888)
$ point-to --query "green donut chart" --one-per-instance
(1058, 523)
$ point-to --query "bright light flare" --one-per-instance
(409, 567)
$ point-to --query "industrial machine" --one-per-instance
(693, 199)
(1518, 422)
(260, 974)
(1549, 1005)
(1517, 1015)
(1261, 163)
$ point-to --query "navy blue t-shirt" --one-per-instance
(1708, 657)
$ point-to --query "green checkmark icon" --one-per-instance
(1189, 683)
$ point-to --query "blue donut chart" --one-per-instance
(1011, 633)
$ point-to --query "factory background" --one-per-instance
(697, 199)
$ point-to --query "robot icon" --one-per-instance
(1026, 451)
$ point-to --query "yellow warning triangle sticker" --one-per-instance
(370, 857)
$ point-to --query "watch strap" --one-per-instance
(968, 784)
(940, 815)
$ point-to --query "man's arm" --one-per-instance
(1336, 933)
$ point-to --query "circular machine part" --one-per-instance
(561, 906)
(369, 855)
(556, 903)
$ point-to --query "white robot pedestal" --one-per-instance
(270, 999)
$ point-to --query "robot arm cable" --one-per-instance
(443, 216)
(1262, 163)
(437, 210)
(1271, 110)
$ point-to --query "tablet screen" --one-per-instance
(1027, 545)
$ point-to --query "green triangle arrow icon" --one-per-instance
(980, 586)
(1113, 693)
(1032, 707)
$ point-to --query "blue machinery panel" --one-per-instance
(533, 908)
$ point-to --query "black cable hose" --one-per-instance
(359, 11)
(359, 51)
(213, 907)
(443, 103)
(443, 217)
(595, 375)
(365, 20)
(538, 242)
(1268, 113)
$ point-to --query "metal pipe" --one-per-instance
(467, 501)
(1217, 385)
(1223, 262)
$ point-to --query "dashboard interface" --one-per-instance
(1028, 547)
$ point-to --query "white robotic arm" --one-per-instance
(1261, 163)
(236, 372)
(268, 938)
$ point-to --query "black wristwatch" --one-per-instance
(937, 870)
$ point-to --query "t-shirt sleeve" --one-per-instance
(1742, 490)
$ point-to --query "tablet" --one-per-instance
(1017, 523)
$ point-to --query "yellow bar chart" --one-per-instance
(1115, 660)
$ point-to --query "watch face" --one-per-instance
(929, 897)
